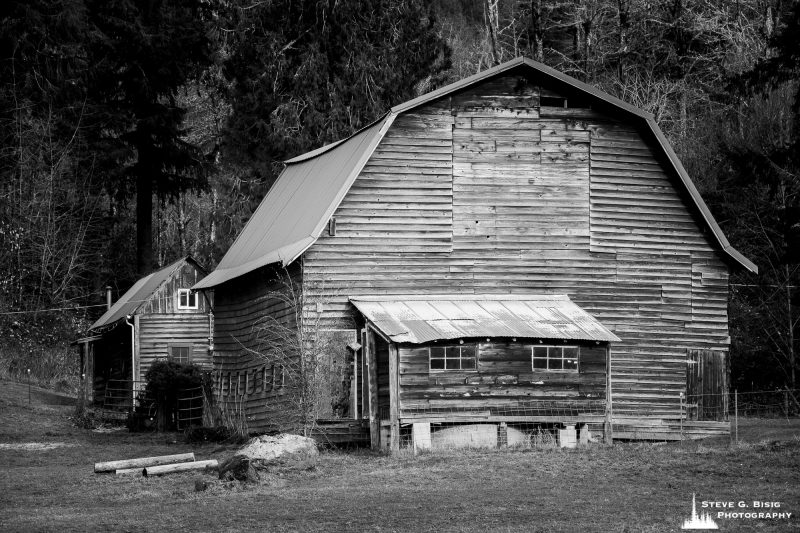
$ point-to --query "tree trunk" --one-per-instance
(623, 9)
(493, 26)
(144, 225)
(537, 31)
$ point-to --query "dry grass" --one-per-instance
(628, 487)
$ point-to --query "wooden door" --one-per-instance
(706, 385)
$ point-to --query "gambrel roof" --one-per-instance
(295, 211)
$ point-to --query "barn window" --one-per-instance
(187, 299)
(555, 358)
(180, 353)
(457, 357)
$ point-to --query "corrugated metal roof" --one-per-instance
(132, 300)
(297, 207)
(417, 319)
(294, 212)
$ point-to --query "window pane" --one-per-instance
(554, 364)
(468, 363)
(539, 363)
(437, 351)
(468, 351)
(192, 299)
(570, 364)
(182, 298)
(437, 364)
(451, 364)
(571, 352)
(540, 351)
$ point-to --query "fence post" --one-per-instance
(786, 403)
(736, 414)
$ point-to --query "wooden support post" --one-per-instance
(372, 382)
(608, 429)
(394, 398)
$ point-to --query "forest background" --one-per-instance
(134, 132)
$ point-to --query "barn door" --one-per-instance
(706, 385)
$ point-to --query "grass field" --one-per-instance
(47, 483)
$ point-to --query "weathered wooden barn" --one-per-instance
(159, 317)
(515, 247)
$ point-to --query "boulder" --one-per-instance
(280, 449)
(264, 455)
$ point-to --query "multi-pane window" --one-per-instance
(458, 357)
(180, 353)
(187, 299)
(555, 358)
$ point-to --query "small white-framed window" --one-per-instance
(187, 299)
(555, 358)
(456, 357)
(180, 353)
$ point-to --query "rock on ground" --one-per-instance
(269, 449)
(265, 454)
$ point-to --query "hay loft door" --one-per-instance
(706, 385)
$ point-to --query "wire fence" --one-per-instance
(131, 398)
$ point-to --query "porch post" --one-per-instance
(608, 430)
(372, 381)
(394, 399)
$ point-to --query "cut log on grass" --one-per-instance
(142, 462)
(130, 472)
(211, 464)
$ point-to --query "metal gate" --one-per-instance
(706, 385)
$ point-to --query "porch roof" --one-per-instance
(417, 319)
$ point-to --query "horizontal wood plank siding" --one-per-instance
(158, 332)
(504, 378)
(545, 200)
(250, 387)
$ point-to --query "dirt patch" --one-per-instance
(35, 446)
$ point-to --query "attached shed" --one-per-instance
(515, 185)
(159, 317)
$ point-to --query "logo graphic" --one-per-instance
(702, 521)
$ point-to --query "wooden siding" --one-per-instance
(164, 300)
(504, 378)
(553, 200)
(158, 332)
(249, 386)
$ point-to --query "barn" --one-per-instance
(159, 317)
(512, 250)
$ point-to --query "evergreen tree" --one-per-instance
(141, 53)
(305, 73)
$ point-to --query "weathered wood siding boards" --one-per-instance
(158, 332)
(165, 298)
(545, 199)
(504, 380)
(245, 313)
(399, 204)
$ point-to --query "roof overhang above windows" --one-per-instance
(420, 319)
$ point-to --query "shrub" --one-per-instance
(165, 380)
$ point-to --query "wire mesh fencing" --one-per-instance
(132, 399)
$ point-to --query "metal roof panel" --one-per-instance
(417, 319)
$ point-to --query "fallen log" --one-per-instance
(160, 470)
(142, 462)
(129, 471)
